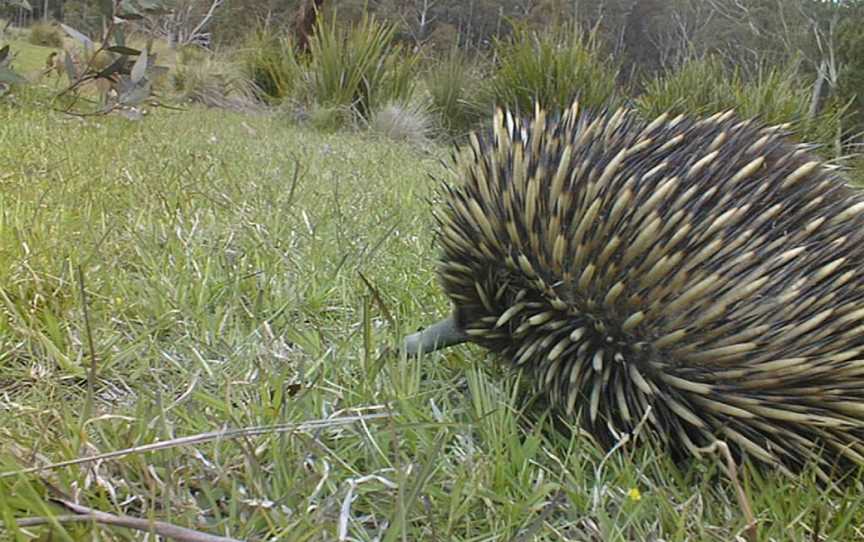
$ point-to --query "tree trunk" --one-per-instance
(304, 22)
(816, 96)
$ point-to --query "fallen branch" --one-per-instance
(84, 514)
(205, 437)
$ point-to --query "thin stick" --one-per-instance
(203, 437)
(84, 514)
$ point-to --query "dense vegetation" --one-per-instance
(248, 256)
(445, 64)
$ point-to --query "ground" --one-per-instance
(199, 270)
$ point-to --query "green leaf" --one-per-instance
(4, 54)
(115, 67)
(135, 94)
(140, 67)
(129, 16)
(78, 36)
(119, 36)
(123, 50)
(71, 70)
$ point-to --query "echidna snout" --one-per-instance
(700, 279)
(439, 335)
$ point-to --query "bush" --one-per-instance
(270, 62)
(46, 34)
(553, 68)
(452, 86)
(773, 95)
(359, 66)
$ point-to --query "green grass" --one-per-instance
(553, 68)
(222, 293)
(29, 58)
(773, 95)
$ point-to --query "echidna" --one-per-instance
(701, 276)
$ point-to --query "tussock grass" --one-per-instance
(359, 66)
(774, 95)
(410, 122)
(553, 68)
(240, 272)
(269, 61)
(214, 82)
(454, 83)
(46, 34)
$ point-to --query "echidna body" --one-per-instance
(703, 278)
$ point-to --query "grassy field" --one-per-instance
(29, 59)
(239, 272)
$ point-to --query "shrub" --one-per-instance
(359, 66)
(452, 86)
(773, 95)
(46, 34)
(269, 60)
(553, 68)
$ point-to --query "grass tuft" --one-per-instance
(359, 66)
(453, 85)
(270, 62)
(553, 68)
(46, 34)
(403, 122)
(214, 83)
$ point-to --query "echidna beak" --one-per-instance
(439, 335)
